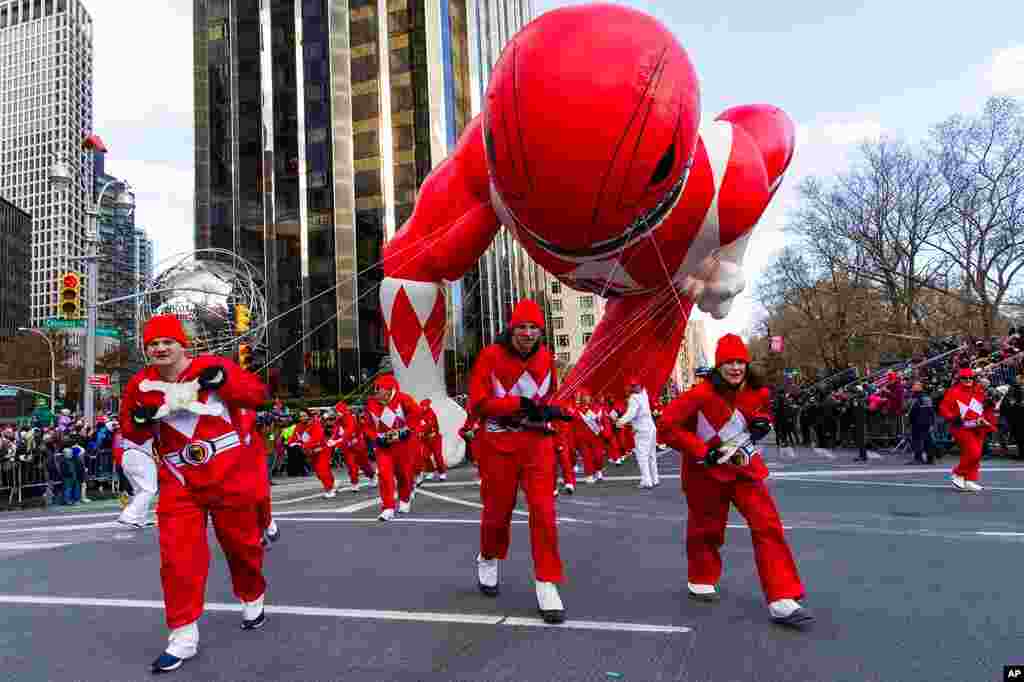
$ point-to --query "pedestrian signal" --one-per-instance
(70, 303)
(242, 318)
(245, 356)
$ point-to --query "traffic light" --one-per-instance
(242, 319)
(69, 306)
(245, 356)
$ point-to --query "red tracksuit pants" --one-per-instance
(433, 452)
(565, 451)
(320, 460)
(707, 501)
(625, 439)
(396, 462)
(357, 459)
(591, 448)
(235, 506)
(502, 473)
(970, 442)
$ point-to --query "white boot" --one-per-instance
(789, 612)
(386, 515)
(972, 486)
(404, 507)
(959, 483)
(183, 642)
(328, 494)
(487, 575)
(550, 603)
(702, 592)
(253, 617)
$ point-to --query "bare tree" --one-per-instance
(982, 163)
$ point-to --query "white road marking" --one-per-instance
(60, 529)
(357, 614)
(743, 525)
(477, 505)
(358, 506)
(31, 545)
(890, 471)
(1000, 534)
(65, 516)
(824, 453)
(873, 455)
(404, 519)
(895, 484)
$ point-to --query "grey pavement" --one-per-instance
(909, 580)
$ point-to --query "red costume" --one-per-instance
(206, 472)
(347, 436)
(310, 436)
(389, 426)
(510, 454)
(432, 438)
(970, 419)
(565, 446)
(590, 431)
(704, 418)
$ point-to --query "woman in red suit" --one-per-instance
(309, 433)
(971, 417)
(715, 426)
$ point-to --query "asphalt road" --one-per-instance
(909, 580)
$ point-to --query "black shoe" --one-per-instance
(797, 619)
(552, 617)
(256, 623)
(487, 590)
(166, 663)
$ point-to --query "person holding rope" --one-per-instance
(638, 416)
(191, 410)
(716, 426)
(390, 417)
(510, 389)
(971, 417)
(309, 435)
(347, 437)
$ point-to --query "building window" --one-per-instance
(564, 357)
(557, 322)
(563, 341)
(587, 320)
(586, 337)
(586, 301)
(556, 305)
(556, 287)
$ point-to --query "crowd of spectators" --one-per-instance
(882, 410)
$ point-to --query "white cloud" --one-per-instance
(143, 110)
(1005, 73)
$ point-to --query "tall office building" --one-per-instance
(316, 122)
(45, 112)
(15, 235)
(126, 257)
(573, 317)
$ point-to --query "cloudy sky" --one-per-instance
(843, 70)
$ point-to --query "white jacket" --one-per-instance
(638, 413)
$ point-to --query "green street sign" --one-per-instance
(57, 323)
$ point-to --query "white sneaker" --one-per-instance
(252, 613)
(329, 494)
(183, 642)
(959, 483)
(549, 602)
(645, 486)
(589, 480)
(570, 488)
(443, 477)
(386, 515)
(972, 486)
(702, 592)
(599, 475)
(487, 575)
(789, 612)
(404, 507)
(354, 487)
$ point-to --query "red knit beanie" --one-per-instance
(164, 327)
(731, 347)
(385, 382)
(526, 311)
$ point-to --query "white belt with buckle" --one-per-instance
(201, 452)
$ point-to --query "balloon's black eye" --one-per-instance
(664, 166)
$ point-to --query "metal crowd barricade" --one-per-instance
(23, 477)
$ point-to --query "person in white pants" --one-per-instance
(140, 469)
(645, 433)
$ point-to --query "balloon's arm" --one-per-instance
(453, 222)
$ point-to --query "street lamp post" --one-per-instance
(53, 367)
(61, 178)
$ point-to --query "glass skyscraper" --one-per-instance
(316, 122)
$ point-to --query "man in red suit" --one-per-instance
(509, 389)
(565, 448)
(309, 433)
(715, 426)
(191, 408)
(347, 436)
(469, 431)
(432, 441)
(589, 432)
(970, 417)
(390, 415)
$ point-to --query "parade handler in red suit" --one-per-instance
(509, 388)
(565, 447)
(391, 416)
(191, 408)
(970, 417)
(309, 434)
(432, 440)
(469, 431)
(715, 426)
(347, 436)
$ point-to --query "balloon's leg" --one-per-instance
(416, 317)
